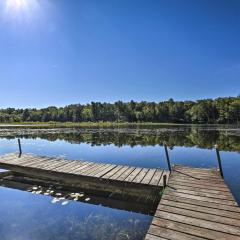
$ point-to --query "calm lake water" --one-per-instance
(25, 215)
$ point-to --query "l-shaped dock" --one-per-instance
(195, 204)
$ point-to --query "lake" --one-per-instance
(27, 215)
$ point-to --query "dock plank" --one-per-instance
(148, 177)
(106, 170)
(112, 172)
(195, 214)
(156, 177)
(116, 175)
(141, 175)
(200, 209)
(126, 173)
(133, 174)
(192, 230)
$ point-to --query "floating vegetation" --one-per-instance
(57, 196)
(76, 196)
(55, 200)
(65, 202)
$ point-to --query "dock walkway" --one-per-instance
(196, 204)
(88, 174)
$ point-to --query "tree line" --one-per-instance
(209, 111)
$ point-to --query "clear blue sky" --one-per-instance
(58, 52)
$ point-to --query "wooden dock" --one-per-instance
(133, 181)
(196, 204)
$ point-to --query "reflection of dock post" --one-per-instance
(219, 160)
(20, 148)
(167, 157)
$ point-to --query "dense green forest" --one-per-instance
(220, 110)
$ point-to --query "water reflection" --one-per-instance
(31, 214)
(227, 138)
(64, 194)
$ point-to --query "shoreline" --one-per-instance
(103, 124)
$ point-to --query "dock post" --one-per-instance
(164, 181)
(219, 160)
(167, 156)
(20, 148)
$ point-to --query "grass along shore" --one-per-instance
(94, 124)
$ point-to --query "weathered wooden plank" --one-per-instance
(106, 170)
(152, 237)
(190, 170)
(199, 222)
(203, 177)
(203, 189)
(196, 197)
(41, 164)
(185, 168)
(148, 176)
(156, 177)
(48, 163)
(171, 234)
(193, 230)
(54, 166)
(189, 173)
(126, 173)
(201, 209)
(200, 180)
(12, 157)
(133, 174)
(203, 185)
(119, 173)
(141, 175)
(72, 165)
(112, 172)
(202, 203)
(98, 169)
(31, 162)
(77, 165)
(16, 160)
(201, 193)
(93, 168)
(195, 214)
(78, 170)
